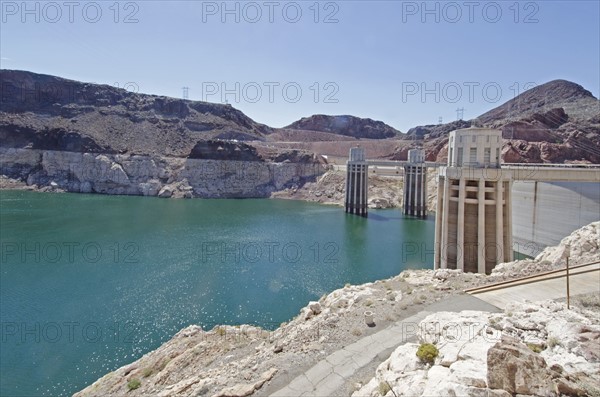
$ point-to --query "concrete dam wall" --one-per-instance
(544, 213)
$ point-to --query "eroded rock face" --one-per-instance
(530, 132)
(155, 175)
(513, 367)
(555, 122)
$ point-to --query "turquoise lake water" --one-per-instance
(89, 283)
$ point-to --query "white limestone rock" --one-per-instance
(469, 373)
(125, 174)
(150, 188)
(583, 245)
(165, 192)
(437, 379)
(315, 307)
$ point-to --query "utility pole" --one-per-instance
(568, 253)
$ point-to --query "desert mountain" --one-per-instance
(46, 112)
(577, 102)
(555, 122)
(345, 125)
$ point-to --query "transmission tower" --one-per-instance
(460, 112)
(186, 92)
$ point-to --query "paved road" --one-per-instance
(328, 376)
(553, 286)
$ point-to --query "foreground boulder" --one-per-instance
(514, 367)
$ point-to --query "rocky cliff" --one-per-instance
(61, 134)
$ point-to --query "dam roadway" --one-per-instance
(518, 171)
(583, 279)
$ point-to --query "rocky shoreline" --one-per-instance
(384, 191)
(317, 186)
(244, 360)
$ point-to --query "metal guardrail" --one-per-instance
(547, 165)
(529, 279)
(393, 163)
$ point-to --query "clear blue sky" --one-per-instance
(372, 59)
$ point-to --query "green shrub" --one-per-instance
(384, 388)
(552, 342)
(590, 301)
(134, 384)
(590, 390)
(535, 347)
(427, 353)
(163, 364)
(147, 372)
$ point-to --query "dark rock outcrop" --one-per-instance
(224, 150)
(436, 131)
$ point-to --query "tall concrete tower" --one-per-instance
(415, 184)
(473, 230)
(357, 174)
